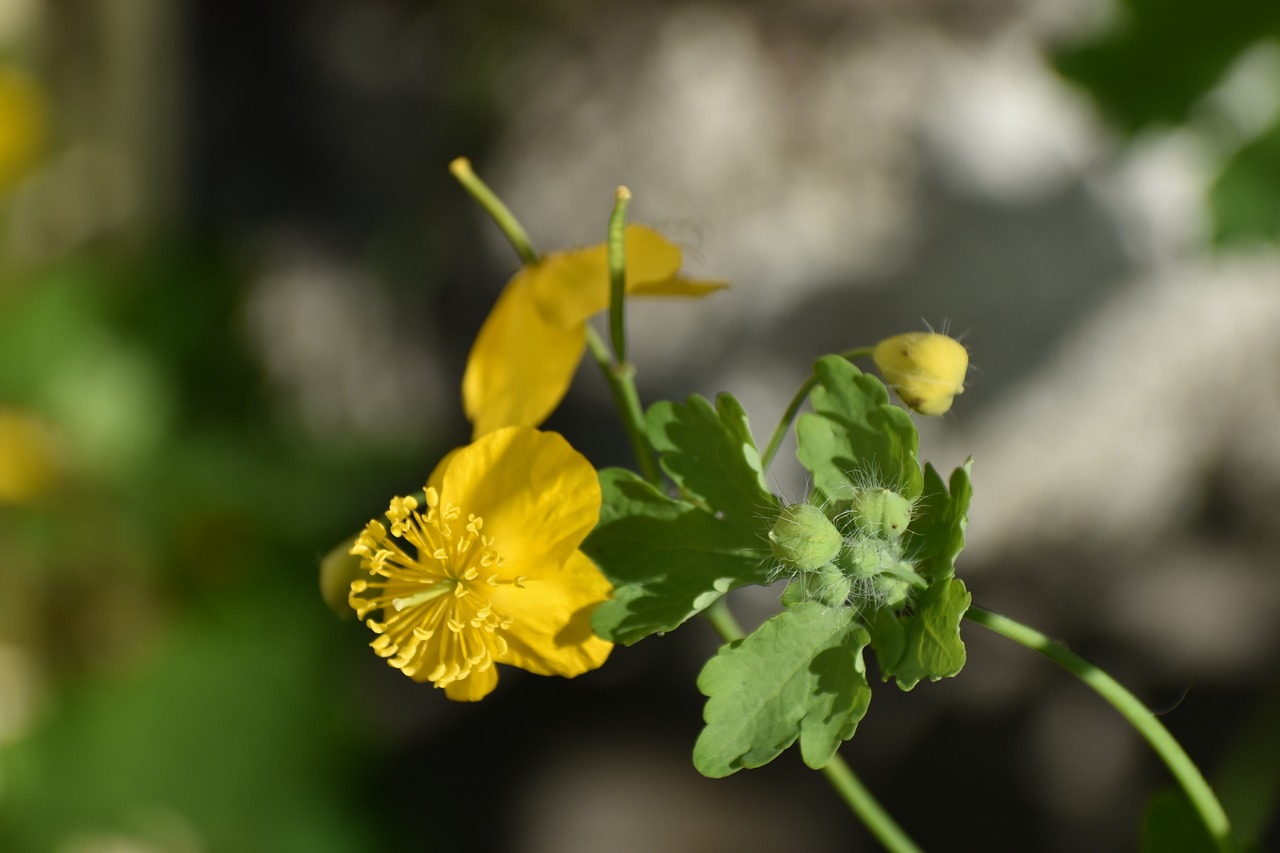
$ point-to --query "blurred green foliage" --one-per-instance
(191, 690)
(1154, 65)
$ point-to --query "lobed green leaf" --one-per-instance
(800, 675)
(937, 531)
(667, 559)
(710, 455)
(924, 642)
(855, 432)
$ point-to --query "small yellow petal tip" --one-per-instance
(925, 369)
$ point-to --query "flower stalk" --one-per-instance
(789, 416)
(1138, 715)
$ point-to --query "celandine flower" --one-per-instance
(926, 369)
(524, 358)
(490, 572)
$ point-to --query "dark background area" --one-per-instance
(237, 291)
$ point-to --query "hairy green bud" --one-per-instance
(804, 538)
(829, 585)
(892, 590)
(867, 556)
(881, 511)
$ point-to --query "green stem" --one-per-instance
(1182, 767)
(622, 385)
(779, 433)
(838, 773)
(866, 807)
(460, 168)
(618, 273)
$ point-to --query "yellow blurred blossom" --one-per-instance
(524, 358)
(489, 572)
(22, 125)
(28, 458)
(926, 369)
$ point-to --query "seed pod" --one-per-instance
(803, 538)
(926, 369)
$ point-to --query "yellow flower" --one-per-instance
(29, 463)
(926, 369)
(527, 350)
(22, 125)
(491, 572)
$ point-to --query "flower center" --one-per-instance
(435, 597)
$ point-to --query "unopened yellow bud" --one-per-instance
(926, 369)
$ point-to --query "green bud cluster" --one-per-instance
(866, 560)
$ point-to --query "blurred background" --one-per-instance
(238, 286)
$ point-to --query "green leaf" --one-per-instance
(800, 675)
(937, 531)
(668, 560)
(711, 456)
(924, 642)
(1245, 197)
(1171, 825)
(854, 432)
(1159, 58)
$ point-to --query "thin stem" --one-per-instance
(866, 807)
(723, 620)
(780, 432)
(460, 168)
(618, 273)
(838, 773)
(1182, 767)
(622, 385)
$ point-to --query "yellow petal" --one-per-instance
(550, 632)
(568, 287)
(539, 497)
(474, 687)
(677, 286)
(520, 366)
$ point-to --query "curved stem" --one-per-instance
(622, 385)
(618, 274)
(1138, 715)
(780, 432)
(838, 773)
(502, 216)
